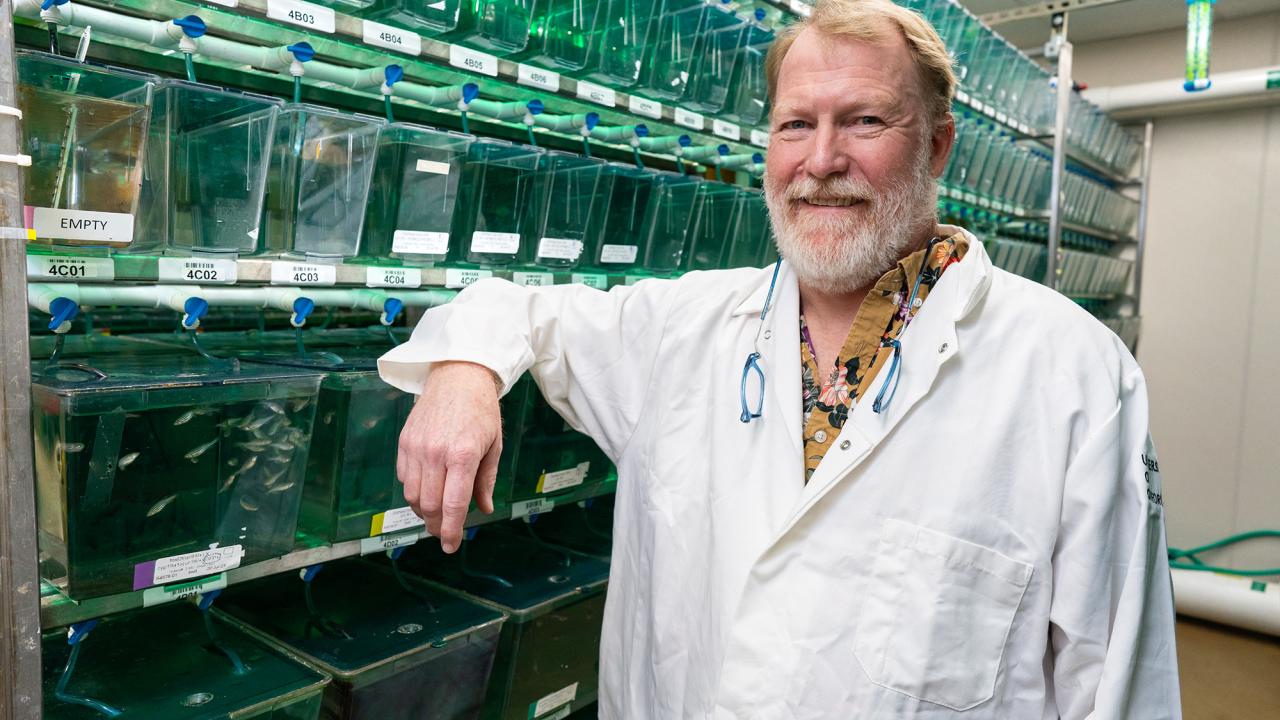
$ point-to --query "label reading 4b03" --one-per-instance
(290, 273)
(304, 14)
(392, 38)
(380, 277)
(197, 270)
(473, 60)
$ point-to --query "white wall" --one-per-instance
(1211, 294)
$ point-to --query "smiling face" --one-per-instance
(852, 159)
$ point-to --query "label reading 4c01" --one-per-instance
(304, 14)
(197, 270)
(68, 268)
(290, 273)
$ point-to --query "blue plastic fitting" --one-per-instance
(302, 51)
(393, 74)
(535, 107)
(192, 26)
(470, 92)
(593, 119)
(310, 572)
(302, 309)
(62, 310)
(391, 310)
(195, 308)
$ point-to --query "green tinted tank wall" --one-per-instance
(619, 41)
(713, 227)
(497, 26)
(542, 456)
(560, 33)
(672, 52)
(565, 215)
(626, 193)
(160, 664)
(717, 57)
(671, 209)
(162, 457)
(430, 18)
(496, 186)
(749, 91)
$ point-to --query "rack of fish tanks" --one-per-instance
(229, 211)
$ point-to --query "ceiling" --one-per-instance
(1130, 17)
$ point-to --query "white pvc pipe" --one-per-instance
(41, 295)
(1241, 83)
(618, 134)
(1228, 599)
(700, 152)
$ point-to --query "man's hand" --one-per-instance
(449, 448)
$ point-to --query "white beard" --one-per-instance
(851, 251)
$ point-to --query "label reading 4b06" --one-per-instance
(392, 38)
(376, 277)
(288, 273)
(537, 77)
(473, 60)
(197, 270)
(66, 268)
(301, 13)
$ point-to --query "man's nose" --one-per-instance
(827, 156)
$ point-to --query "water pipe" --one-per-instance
(744, 160)
(704, 152)
(620, 134)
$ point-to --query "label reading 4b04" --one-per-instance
(197, 270)
(289, 273)
(376, 277)
(392, 38)
(473, 60)
(301, 13)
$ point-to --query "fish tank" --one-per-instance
(619, 41)
(752, 243)
(719, 49)
(713, 227)
(414, 194)
(564, 212)
(206, 169)
(560, 34)
(152, 470)
(174, 662)
(428, 18)
(496, 189)
(625, 192)
(666, 230)
(321, 167)
(399, 649)
(670, 64)
(85, 128)
(542, 456)
(584, 527)
(748, 101)
(500, 27)
(549, 653)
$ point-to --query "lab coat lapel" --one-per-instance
(782, 352)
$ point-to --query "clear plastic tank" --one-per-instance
(673, 50)
(496, 189)
(718, 52)
(620, 40)
(560, 34)
(497, 26)
(430, 18)
(566, 213)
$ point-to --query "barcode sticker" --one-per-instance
(457, 278)
(387, 277)
(69, 268)
(533, 279)
(177, 591)
(595, 280)
(473, 60)
(526, 508)
(291, 273)
(197, 270)
(382, 543)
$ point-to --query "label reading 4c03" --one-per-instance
(289, 273)
(303, 14)
(197, 270)
(392, 38)
(473, 60)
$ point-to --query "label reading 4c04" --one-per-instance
(301, 13)
(288, 273)
(393, 277)
(197, 270)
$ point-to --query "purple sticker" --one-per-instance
(144, 575)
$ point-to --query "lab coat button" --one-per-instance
(844, 445)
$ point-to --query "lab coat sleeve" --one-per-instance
(1112, 614)
(591, 353)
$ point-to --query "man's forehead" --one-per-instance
(823, 58)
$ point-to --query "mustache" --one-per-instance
(831, 188)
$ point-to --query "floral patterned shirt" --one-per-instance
(828, 397)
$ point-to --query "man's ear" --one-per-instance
(941, 142)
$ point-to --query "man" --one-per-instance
(941, 509)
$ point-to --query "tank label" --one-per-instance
(303, 14)
(689, 119)
(69, 268)
(595, 280)
(392, 38)
(760, 138)
(563, 479)
(597, 94)
(554, 701)
(726, 129)
(382, 543)
(559, 248)
(187, 566)
(473, 60)
(533, 279)
(394, 521)
(197, 270)
(82, 226)
(457, 278)
(432, 166)
(647, 108)
(496, 243)
(537, 77)
(417, 242)
(178, 591)
(525, 508)
(292, 273)
(618, 253)
(384, 277)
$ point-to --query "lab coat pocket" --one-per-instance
(936, 615)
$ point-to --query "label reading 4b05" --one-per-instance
(301, 13)
(197, 270)
(392, 38)
(473, 60)
(288, 273)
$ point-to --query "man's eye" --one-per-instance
(794, 125)
(870, 120)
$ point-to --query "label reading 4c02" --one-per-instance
(197, 270)
(304, 14)
(290, 273)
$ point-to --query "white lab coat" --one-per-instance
(990, 547)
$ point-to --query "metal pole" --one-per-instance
(1059, 158)
(1143, 190)
(19, 573)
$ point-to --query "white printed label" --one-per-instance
(197, 270)
(618, 253)
(301, 13)
(553, 701)
(168, 593)
(760, 138)
(531, 507)
(647, 108)
(473, 60)
(196, 564)
(291, 273)
(971, 198)
(385, 277)
(726, 129)
(417, 242)
(595, 280)
(432, 166)
(1002, 117)
(537, 77)
(225, 3)
(962, 96)
(559, 248)
(561, 479)
(392, 38)
(68, 268)
(105, 227)
(395, 520)
(455, 278)
(495, 242)
(533, 279)
(560, 714)
(382, 543)
(598, 94)
(689, 119)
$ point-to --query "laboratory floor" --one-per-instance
(1227, 674)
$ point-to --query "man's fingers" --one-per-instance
(458, 484)
(487, 477)
(431, 489)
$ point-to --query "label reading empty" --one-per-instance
(385, 277)
(595, 280)
(456, 278)
(197, 270)
(292, 273)
(726, 129)
(82, 225)
(392, 38)
(383, 543)
(394, 520)
(559, 248)
(564, 696)
(187, 566)
(562, 479)
(473, 60)
(526, 508)
(760, 138)
(645, 107)
(689, 119)
(598, 94)
(432, 166)
(495, 243)
(303, 14)
(618, 253)
(538, 77)
(418, 242)
(178, 591)
(69, 268)
(533, 279)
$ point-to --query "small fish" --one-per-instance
(281, 488)
(282, 447)
(231, 480)
(127, 460)
(248, 503)
(256, 424)
(199, 450)
(371, 423)
(184, 418)
(255, 445)
(328, 417)
(248, 464)
(273, 407)
(160, 506)
(71, 447)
